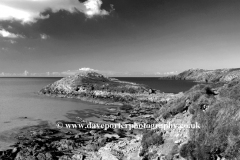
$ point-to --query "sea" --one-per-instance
(20, 105)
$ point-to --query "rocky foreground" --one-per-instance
(201, 75)
(215, 107)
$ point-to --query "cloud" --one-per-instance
(29, 11)
(84, 69)
(44, 36)
(93, 7)
(170, 73)
(4, 49)
(72, 72)
(6, 34)
(113, 73)
(10, 13)
(106, 73)
(158, 73)
(10, 41)
(87, 69)
(30, 48)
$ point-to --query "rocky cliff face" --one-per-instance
(96, 88)
(219, 75)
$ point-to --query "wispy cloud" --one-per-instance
(11, 13)
(29, 11)
(4, 49)
(84, 69)
(6, 34)
(30, 48)
(87, 69)
(44, 36)
(10, 41)
(170, 73)
(72, 72)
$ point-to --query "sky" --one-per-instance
(118, 37)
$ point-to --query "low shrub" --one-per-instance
(173, 108)
(192, 109)
(219, 133)
(195, 95)
(178, 108)
(121, 132)
(206, 100)
(150, 138)
(198, 87)
(187, 149)
(192, 150)
(232, 83)
(132, 90)
(164, 112)
(216, 85)
(232, 151)
(174, 151)
(151, 155)
(231, 91)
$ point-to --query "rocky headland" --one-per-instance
(96, 88)
(201, 75)
(215, 107)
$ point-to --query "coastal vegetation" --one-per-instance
(215, 106)
(201, 75)
(149, 139)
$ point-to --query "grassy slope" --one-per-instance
(94, 81)
(219, 135)
(218, 75)
(96, 88)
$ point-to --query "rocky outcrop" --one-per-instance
(201, 75)
(96, 88)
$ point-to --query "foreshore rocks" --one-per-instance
(44, 142)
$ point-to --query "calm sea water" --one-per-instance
(20, 105)
(167, 86)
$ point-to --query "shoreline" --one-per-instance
(142, 105)
(64, 134)
(82, 99)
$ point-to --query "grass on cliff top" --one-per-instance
(231, 91)
(219, 134)
(98, 82)
(220, 130)
(198, 95)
